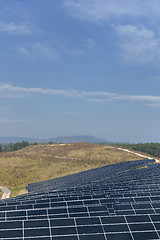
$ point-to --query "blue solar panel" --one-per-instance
(119, 201)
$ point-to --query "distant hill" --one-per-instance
(78, 138)
(63, 139)
(6, 140)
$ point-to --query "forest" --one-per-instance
(150, 148)
(14, 146)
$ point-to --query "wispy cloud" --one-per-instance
(139, 44)
(2, 120)
(104, 10)
(45, 51)
(40, 50)
(9, 91)
(153, 105)
(107, 96)
(56, 49)
(78, 50)
(15, 28)
(25, 51)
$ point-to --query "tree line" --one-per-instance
(150, 148)
(14, 146)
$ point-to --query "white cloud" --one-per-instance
(103, 10)
(99, 94)
(13, 28)
(153, 105)
(139, 44)
(55, 50)
(107, 96)
(40, 50)
(136, 32)
(9, 91)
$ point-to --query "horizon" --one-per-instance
(107, 141)
(89, 67)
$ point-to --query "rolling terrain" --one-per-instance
(47, 161)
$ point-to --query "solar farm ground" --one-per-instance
(47, 161)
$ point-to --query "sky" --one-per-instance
(80, 67)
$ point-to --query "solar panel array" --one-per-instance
(114, 202)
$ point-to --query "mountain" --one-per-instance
(78, 138)
(63, 139)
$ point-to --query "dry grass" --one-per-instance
(1, 194)
(18, 191)
(46, 161)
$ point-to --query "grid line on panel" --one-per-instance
(83, 203)
(67, 210)
(26, 215)
(103, 228)
(50, 205)
(88, 211)
(33, 206)
(153, 208)
(76, 229)
(5, 216)
(154, 226)
(129, 228)
(133, 209)
(23, 229)
(49, 223)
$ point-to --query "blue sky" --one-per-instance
(70, 67)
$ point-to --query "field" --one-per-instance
(47, 161)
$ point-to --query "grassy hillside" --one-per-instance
(1, 194)
(47, 161)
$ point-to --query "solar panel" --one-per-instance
(146, 227)
(119, 201)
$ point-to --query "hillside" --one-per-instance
(47, 161)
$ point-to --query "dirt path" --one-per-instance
(140, 155)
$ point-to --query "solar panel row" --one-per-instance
(118, 227)
(120, 201)
(86, 176)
